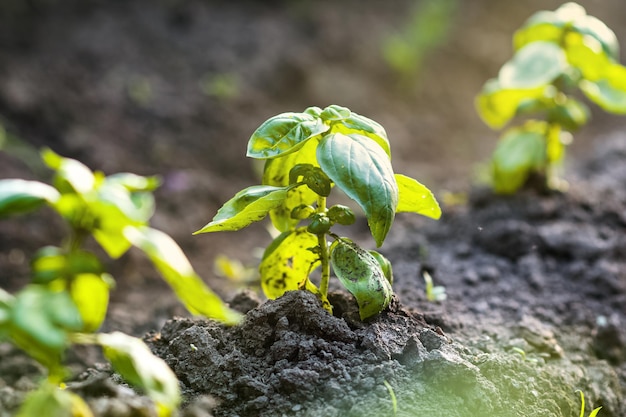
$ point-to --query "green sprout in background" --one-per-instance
(306, 155)
(556, 53)
(67, 299)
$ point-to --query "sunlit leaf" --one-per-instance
(90, 293)
(545, 31)
(51, 401)
(363, 171)
(141, 368)
(50, 263)
(175, 268)
(247, 206)
(609, 92)
(497, 105)
(519, 152)
(334, 113)
(283, 134)
(413, 197)
(287, 262)
(586, 54)
(363, 126)
(276, 173)
(536, 64)
(21, 196)
(69, 173)
(592, 26)
(362, 275)
(133, 182)
(570, 114)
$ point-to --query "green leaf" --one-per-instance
(334, 112)
(363, 126)
(570, 114)
(276, 173)
(609, 92)
(287, 262)
(140, 367)
(51, 401)
(384, 264)
(170, 260)
(283, 134)
(535, 65)
(71, 175)
(40, 322)
(594, 27)
(497, 105)
(413, 197)
(133, 182)
(540, 31)
(51, 263)
(586, 55)
(519, 152)
(363, 171)
(21, 196)
(247, 206)
(90, 293)
(362, 275)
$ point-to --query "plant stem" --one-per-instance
(324, 255)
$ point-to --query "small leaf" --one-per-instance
(170, 260)
(609, 92)
(21, 196)
(71, 175)
(363, 126)
(497, 105)
(90, 293)
(247, 206)
(334, 113)
(283, 134)
(51, 263)
(141, 368)
(413, 197)
(363, 171)
(385, 265)
(133, 182)
(519, 152)
(570, 114)
(287, 262)
(276, 173)
(535, 65)
(51, 401)
(586, 55)
(594, 27)
(362, 275)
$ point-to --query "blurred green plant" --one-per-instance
(593, 412)
(556, 53)
(427, 29)
(67, 299)
(221, 86)
(433, 292)
(306, 155)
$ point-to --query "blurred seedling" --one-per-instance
(433, 292)
(593, 412)
(307, 155)
(67, 298)
(392, 396)
(556, 54)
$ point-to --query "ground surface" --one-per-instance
(127, 86)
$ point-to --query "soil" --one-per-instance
(535, 283)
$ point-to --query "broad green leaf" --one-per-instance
(586, 54)
(276, 173)
(570, 114)
(90, 293)
(283, 134)
(51, 401)
(50, 263)
(40, 322)
(497, 105)
(247, 206)
(136, 206)
(134, 361)
(287, 262)
(21, 196)
(545, 31)
(413, 197)
(519, 152)
(170, 260)
(592, 26)
(334, 113)
(363, 171)
(362, 275)
(71, 175)
(363, 126)
(609, 92)
(535, 65)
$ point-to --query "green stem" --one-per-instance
(324, 253)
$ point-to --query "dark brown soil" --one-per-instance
(536, 284)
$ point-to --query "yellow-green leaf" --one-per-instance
(21, 196)
(535, 65)
(497, 105)
(413, 197)
(609, 92)
(51, 401)
(90, 293)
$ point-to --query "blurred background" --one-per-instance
(176, 87)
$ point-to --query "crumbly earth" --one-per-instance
(535, 283)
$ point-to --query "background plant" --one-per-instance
(307, 154)
(67, 299)
(556, 53)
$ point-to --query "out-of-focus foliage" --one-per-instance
(555, 54)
